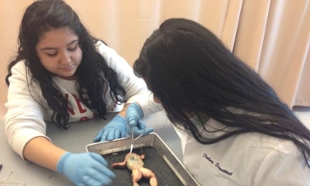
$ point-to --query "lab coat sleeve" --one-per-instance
(136, 89)
(24, 119)
(283, 166)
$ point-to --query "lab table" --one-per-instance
(74, 140)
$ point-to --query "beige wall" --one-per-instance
(115, 25)
(272, 36)
(10, 15)
(123, 24)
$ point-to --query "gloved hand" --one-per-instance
(133, 117)
(85, 169)
(116, 128)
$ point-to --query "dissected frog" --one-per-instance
(134, 163)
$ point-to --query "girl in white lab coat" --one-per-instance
(234, 129)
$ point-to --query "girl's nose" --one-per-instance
(64, 58)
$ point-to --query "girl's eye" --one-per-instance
(51, 54)
(73, 48)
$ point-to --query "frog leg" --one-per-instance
(136, 176)
(147, 173)
(142, 156)
(121, 164)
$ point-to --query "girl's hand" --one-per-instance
(85, 169)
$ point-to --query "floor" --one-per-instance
(303, 113)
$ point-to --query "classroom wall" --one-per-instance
(123, 24)
(109, 20)
(271, 36)
(10, 16)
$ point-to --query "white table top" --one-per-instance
(74, 140)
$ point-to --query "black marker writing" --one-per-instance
(205, 155)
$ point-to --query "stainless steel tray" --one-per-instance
(159, 158)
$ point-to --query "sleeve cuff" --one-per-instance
(18, 143)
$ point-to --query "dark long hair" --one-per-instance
(43, 16)
(189, 69)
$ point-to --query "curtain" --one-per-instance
(271, 36)
(275, 42)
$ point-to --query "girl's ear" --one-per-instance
(156, 100)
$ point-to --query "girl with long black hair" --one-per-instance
(234, 128)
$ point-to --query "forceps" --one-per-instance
(131, 141)
(134, 139)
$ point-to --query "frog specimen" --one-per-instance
(134, 163)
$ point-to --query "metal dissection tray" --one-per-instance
(159, 158)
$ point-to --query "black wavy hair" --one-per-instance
(43, 16)
(190, 70)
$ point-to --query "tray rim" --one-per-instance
(154, 134)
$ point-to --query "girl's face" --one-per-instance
(59, 52)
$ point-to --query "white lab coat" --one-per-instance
(249, 159)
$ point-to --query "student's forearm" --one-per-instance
(42, 152)
(123, 112)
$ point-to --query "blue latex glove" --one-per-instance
(85, 169)
(116, 128)
(133, 117)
